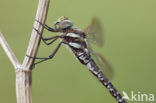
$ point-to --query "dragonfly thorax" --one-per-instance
(75, 40)
(73, 35)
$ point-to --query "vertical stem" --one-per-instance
(24, 87)
(24, 73)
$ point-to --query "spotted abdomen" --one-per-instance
(79, 47)
(105, 81)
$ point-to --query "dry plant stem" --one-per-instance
(9, 52)
(24, 79)
(23, 71)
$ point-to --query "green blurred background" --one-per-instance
(130, 47)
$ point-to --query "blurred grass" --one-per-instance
(130, 38)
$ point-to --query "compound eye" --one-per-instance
(63, 18)
(57, 25)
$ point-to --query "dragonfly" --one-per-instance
(79, 42)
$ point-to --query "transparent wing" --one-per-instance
(94, 32)
(102, 63)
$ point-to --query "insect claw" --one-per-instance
(36, 31)
(39, 22)
(30, 56)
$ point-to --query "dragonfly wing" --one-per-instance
(94, 32)
(102, 63)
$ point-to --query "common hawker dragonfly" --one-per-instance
(77, 41)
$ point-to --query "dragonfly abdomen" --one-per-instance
(84, 57)
(79, 48)
(105, 81)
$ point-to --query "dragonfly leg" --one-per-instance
(47, 58)
(46, 26)
(54, 38)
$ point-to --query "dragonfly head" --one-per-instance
(63, 23)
